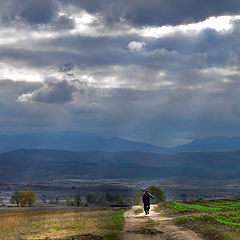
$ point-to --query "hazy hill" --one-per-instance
(77, 141)
(218, 143)
(73, 141)
(26, 165)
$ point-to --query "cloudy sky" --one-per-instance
(160, 71)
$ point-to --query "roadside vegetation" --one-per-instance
(112, 224)
(213, 219)
(60, 224)
(157, 192)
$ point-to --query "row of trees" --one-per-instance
(108, 197)
(157, 192)
(27, 198)
(92, 198)
(24, 198)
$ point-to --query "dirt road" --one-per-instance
(153, 226)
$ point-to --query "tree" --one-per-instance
(91, 198)
(77, 200)
(102, 200)
(120, 199)
(57, 200)
(114, 198)
(137, 199)
(68, 201)
(31, 198)
(15, 198)
(1, 202)
(158, 194)
(27, 198)
(153, 190)
(109, 197)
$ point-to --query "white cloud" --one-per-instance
(222, 23)
(19, 73)
(136, 46)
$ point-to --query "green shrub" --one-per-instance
(157, 192)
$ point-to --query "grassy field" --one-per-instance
(39, 224)
(204, 205)
(213, 219)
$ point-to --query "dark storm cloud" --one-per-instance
(31, 11)
(61, 91)
(165, 90)
(177, 51)
(20, 117)
(62, 23)
(16, 116)
(34, 13)
(176, 12)
(65, 67)
(136, 12)
(52, 92)
(10, 89)
(60, 86)
(158, 12)
(208, 48)
(38, 11)
(151, 115)
(39, 58)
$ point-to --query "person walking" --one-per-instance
(146, 201)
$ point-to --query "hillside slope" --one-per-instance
(26, 165)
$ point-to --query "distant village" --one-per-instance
(119, 192)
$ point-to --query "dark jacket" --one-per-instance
(148, 198)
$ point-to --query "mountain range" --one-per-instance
(34, 164)
(77, 141)
(69, 155)
(73, 141)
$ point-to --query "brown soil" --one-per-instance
(153, 226)
(77, 237)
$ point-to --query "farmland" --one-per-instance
(212, 219)
(204, 205)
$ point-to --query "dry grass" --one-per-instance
(40, 224)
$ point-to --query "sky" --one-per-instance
(159, 71)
